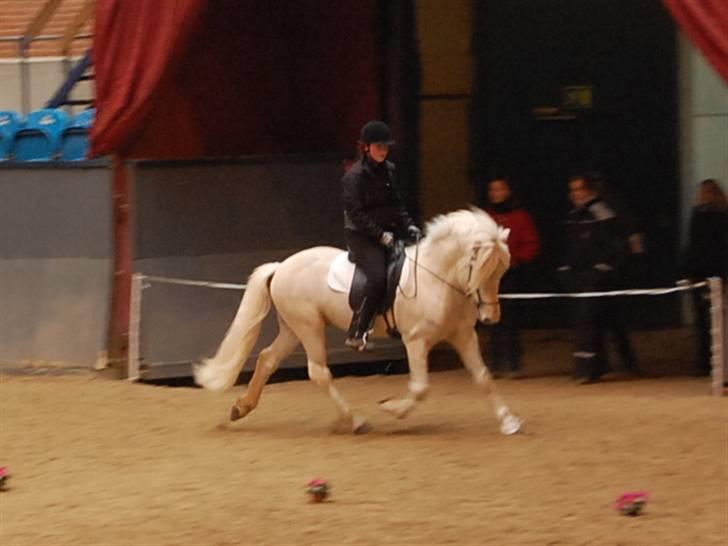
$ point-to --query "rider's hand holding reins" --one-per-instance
(387, 239)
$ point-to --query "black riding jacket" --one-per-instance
(595, 239)
(372, 204)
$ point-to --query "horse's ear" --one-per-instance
(503, 233)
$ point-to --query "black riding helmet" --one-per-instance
(376, 132)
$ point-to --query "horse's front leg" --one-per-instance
(418, 385)
(314, 342)
(466, 344)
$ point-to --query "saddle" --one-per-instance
(344, 276)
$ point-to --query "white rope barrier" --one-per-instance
(189, 282)
(517, 296)
(612, 293)
(717, 313)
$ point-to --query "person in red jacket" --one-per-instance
(523, 242)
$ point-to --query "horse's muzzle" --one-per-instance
(489, 313)
(488, 322)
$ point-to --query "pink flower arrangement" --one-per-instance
(4, 475)
(632, 503)
(318, 489)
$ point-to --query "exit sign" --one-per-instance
(577, 97)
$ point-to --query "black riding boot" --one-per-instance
(361, 322)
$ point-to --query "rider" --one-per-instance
(373, 218)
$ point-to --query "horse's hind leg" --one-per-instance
(466, 344)
(267, 363)
(314, 342)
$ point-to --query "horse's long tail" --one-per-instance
(221, 371)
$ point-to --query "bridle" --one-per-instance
(479, 301)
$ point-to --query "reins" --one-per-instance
(467, 294)
(441, 279)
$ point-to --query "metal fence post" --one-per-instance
(135, 318)
(717, 335)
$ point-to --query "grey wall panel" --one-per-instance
(53, 311)
(55, 212)
(217, 222)
(185, 323)
(202, 209)
(55, 263)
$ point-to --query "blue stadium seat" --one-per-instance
(10, 122)
(40, 138)
(75, 137)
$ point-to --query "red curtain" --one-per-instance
(706, 24)
(137, 47)
(192, 78)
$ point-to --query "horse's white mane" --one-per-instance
(471, 225)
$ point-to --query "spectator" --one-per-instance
(629, 226)
(706, 256)
(504, 346)
(596, 253)
(632, 274)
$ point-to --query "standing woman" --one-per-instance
(707, 256)
(373, 219)
(523, 244)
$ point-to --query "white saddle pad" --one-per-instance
(341, 273)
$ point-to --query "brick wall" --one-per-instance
(16, 15)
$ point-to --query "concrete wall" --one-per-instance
(703, 126)
(47, 74)
(55, 265)
(703, 136)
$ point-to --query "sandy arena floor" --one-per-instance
(96, 461)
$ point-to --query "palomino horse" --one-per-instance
(452, 282)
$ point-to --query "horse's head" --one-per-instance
(488, 262)
(480, 256)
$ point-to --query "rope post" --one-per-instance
(717, 335)
(135, 319)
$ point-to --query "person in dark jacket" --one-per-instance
(632, 272)
(630, 227)
(504, 345)
(596, 253)
(706, 256)
(374, 218)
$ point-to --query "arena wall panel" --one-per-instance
(55, 264)
(217, 221)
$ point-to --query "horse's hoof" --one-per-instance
(511, 425)
(364, 428)
(360, 426)
(238, 412)
(394, 406)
